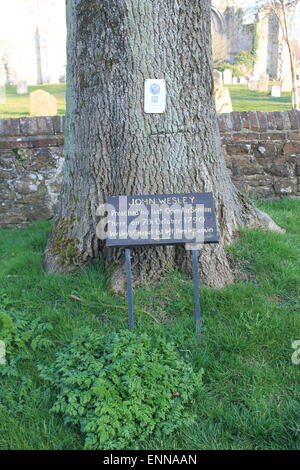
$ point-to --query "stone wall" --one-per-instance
(262, 152)
(235, 36)
(31, 159)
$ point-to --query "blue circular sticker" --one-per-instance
(155, 89)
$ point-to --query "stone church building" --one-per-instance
(232, 35)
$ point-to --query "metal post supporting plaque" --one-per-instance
(196, 294)
(129, 288)
(123, 210)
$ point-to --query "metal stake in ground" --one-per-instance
(129, 288)
(196, 294)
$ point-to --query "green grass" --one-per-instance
(18, 105)
(242, 100)
(247, 100)
(251, 389)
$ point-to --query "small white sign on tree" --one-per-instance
(155, 96)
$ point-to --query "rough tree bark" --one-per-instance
(113, 148)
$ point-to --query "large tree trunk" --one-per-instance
(113, 148)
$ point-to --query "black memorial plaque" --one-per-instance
(161, 219)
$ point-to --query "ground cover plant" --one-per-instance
(122, 389)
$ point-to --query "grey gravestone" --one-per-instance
(227, 77)
(2, 82)
(22, 87)
(286, 83)
(2, 94)
(276, 91)
(253, 84)
(263, 83)
(243, 80)
(218, 79)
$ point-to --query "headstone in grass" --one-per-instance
(243, 81)
(286, 83)
(218, 79)
(42, 103)
(2, 82)
(263, 83)
(227, 77)
(222, 95)
(22, 87)
(2, 94)
(223, 101)
(253, 83)
(276, 91)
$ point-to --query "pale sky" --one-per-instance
(13, 12)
